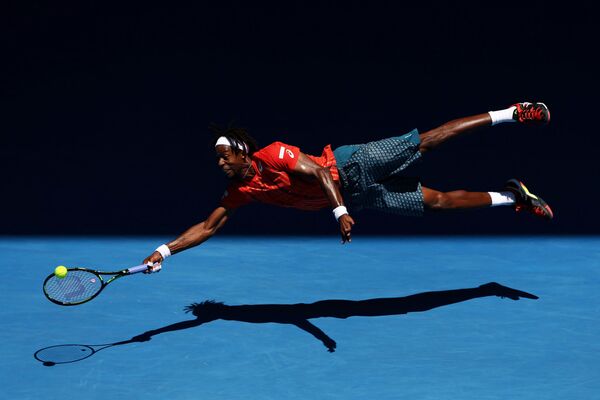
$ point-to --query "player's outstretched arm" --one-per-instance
(193, 236)
(306, 166)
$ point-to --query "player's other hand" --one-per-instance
(330, 344)
(346, 224)
(154, 262)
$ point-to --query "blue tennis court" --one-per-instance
(481, 348)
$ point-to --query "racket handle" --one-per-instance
(139, 268)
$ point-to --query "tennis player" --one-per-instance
(375, 175)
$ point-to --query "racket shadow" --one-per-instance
(294, 314)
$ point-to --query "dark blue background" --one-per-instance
(105, 110)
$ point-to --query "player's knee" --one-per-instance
(437, 201)
(445, 201)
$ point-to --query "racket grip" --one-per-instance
(139, 268)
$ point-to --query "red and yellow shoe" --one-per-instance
(531, 113)
(527, 201)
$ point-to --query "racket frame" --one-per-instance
(116, 275)
(94, 348)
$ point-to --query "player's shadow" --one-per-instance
(299, 314)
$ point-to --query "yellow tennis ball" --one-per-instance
(60, 271)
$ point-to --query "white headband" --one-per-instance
(226, 142)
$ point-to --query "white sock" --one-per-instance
(502, 198)
(501, 116)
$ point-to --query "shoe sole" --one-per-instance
(548, 111)
(547, 208)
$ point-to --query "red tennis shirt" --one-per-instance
(275, 183)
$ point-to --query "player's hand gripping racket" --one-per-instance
(81, 285)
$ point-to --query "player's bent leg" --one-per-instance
(525, 113)
(457, 199)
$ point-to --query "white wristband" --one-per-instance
(164, 251)
(339, 211)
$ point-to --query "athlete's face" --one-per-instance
(231, 163)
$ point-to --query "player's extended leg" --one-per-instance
(456, 199)
(525, 113)
(515, 194)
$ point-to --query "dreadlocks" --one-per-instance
(208, 308)
(236, 136)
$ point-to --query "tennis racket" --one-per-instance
(69, 353)
(82, 284)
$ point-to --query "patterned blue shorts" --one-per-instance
(376, 175)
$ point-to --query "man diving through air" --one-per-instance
(375, 175)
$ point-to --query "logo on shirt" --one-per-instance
(283, 150)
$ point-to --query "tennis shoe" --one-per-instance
(527, 201)
(531, 113)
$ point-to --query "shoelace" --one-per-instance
(531, 113)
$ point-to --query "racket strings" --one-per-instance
(76, 287)
(64, 353)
